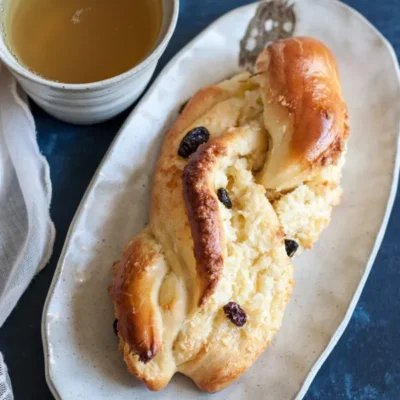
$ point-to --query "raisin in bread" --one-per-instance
(247, 176)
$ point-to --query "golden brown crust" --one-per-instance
(154, 383)
(214, 375)
(305, 112)
(202, 209)
(134, 280)
(216, 108)
(303, 77)
(174, 279)
(143, 336)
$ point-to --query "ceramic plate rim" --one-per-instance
(381, 232)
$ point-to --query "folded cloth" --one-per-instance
(26, 230)
(5, 383)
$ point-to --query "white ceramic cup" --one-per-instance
(98, 101)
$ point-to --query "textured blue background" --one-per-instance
(365, 364)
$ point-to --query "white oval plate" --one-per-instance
(82, 360)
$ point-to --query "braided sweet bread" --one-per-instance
(247, 176)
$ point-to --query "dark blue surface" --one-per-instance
(365, 365)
